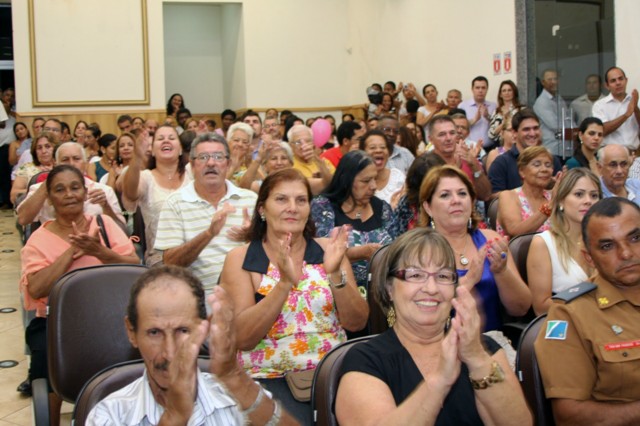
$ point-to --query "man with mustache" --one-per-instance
(166, 320)
(614, 163)
(589, 348)
(200, 223)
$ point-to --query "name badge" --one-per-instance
(622, 345)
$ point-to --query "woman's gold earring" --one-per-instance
(391, 317)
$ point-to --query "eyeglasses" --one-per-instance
(614, 165)
(301, 142)
(418, 276)
(218, 157)
(271, 126)
(51, 129)
(393, 130)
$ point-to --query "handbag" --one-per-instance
(299, 383)
(103, 231)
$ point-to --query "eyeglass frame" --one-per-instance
(204, 157)
(401, 274)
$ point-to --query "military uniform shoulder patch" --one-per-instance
(575, 292)
(556, 330)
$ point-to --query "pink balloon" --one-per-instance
(321, 132)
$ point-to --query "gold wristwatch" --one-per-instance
(496, 376)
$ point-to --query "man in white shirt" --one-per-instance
(619, 111)
(166, 320)
(197, 223)
(479, 110)
(583, 105)
(100, 198)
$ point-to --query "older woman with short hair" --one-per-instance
(527, 208)
(429, 368)
(239, 138)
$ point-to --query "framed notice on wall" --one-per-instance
(88, 53)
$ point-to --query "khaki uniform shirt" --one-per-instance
(592, 351)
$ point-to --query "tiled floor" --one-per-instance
(14, 409)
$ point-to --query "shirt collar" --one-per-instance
(607, 294)
(190, 195)
(205, 403)
(256, 259)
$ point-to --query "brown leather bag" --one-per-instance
(299, 383)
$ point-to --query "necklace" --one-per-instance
(359, 215)
(464, 261)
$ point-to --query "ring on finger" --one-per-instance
(503, 255)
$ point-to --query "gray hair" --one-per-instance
(70, 144)
(283, 146)
(297, 129)
(208, 137)
(600, 152)
(244, 127)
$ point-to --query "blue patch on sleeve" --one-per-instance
(556, 330)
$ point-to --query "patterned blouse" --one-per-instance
(380, 228)
(308, 326)
(525, 211)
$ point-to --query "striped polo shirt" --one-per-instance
(185, 215)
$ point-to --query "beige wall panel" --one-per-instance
(627, 40)
(446, 43)
(106, 43)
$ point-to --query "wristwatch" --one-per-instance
(343, 280)
(496, 376)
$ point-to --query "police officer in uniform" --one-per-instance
(589, 348)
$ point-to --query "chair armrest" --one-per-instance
(40, 396)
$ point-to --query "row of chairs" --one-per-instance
(90, 355)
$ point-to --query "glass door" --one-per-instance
(574, 38)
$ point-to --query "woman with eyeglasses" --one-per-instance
(149, 188)
(430, 367)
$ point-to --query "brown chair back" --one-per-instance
(109, 380)
(377, 319)
(529, 374)
(326, 380)
(85, 326)
(519, 248)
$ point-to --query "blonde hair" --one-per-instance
(559, 224)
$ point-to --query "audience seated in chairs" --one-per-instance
(70, 241)
(294, 295)
(555, 262)
(167, 321)
(425, 369)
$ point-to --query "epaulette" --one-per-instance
(575, 292)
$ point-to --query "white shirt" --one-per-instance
(135, 405)
(48, 213)
(608, 109)
(185, 215)
(582, 107)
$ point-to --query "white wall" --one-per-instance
(310, 53)
(627, 40)
(193, 60)
(446, 43)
